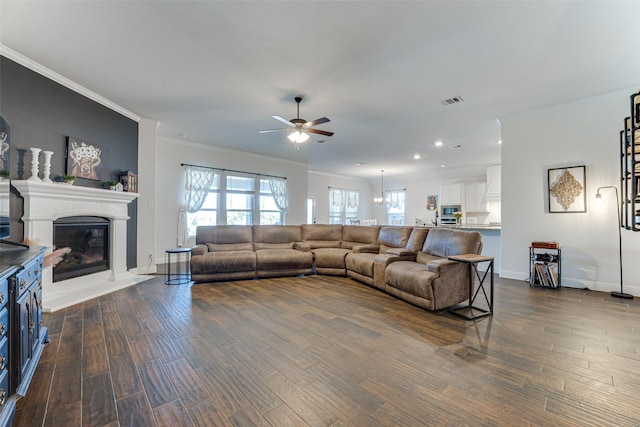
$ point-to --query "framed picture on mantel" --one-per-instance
(567, 190)
(83, 159)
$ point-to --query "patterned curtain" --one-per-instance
(197, 186)
(395, 199)
(279, 191)
(335, 197)
(352, 199)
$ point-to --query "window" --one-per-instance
(237, 199)
(269, 211)
(343, 205)
(395, 209)
(240, 194)
(208, 213)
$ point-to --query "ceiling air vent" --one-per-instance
(450, 101)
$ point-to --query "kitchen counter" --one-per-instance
(475, 227)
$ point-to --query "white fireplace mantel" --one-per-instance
(47, 202)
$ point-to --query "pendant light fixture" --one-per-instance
(381, 200)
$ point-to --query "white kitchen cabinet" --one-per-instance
(494, 182)
(451, 194)
(476, 197)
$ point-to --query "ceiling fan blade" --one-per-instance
(272, 130)
(283, 120)
(317, 122)
(319, 132)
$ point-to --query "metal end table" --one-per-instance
(182, 275)
(472, 260)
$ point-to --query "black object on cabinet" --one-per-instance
(545, 267)
(22, 335)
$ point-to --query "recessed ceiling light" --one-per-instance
(438, 143)
(361, 163)
(443, 166)
(500, 142)
(416, 156)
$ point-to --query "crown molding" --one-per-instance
(62, 80)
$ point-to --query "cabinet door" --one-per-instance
(494, 181)
(476, 197)
(24, 346)
(451, 194)
(36, 310)
(471, 203)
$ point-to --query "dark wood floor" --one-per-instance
(322, 351)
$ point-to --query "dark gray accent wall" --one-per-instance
(42, 114)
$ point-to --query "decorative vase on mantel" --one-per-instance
(47, 166)
(35, 164)
(68, 179)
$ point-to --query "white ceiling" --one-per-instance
(215, 72)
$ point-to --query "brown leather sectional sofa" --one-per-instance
(408, 262)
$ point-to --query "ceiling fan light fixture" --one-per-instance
(298, 137)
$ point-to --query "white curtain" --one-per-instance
(279, 191)
(396, 199)
(197, 185)
(352, 199)
(335, 197)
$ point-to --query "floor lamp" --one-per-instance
(620, 294)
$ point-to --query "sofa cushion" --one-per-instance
(261, 246)
(283, 259)
(314, 244)
(223, 262)
(353, 235)
(321, 232)
(411, 277)
(393, 237)
(225, 247)
(416, 239)
(330, 257)
(444, 242)
(276, 233)
(360, 263)
(224, 234)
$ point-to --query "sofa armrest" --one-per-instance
(366, 249)
(400, 252)
(439, 266)
(199, 250)
(302, 246)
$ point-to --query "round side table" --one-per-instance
(182, 275)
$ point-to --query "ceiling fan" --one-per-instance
(301, 128)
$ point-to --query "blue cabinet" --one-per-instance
(22, 336)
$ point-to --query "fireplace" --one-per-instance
(46, 203)
(88, 239)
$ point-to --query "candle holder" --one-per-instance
(47, 166)
(35, 164)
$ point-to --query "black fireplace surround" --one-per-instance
(88, 238)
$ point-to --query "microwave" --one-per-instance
(448, 221)
(448, 211)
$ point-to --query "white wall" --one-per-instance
(319, 184)
(146, 202)
(170, 153)
(584, 132)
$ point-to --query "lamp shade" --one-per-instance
(298, 137)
